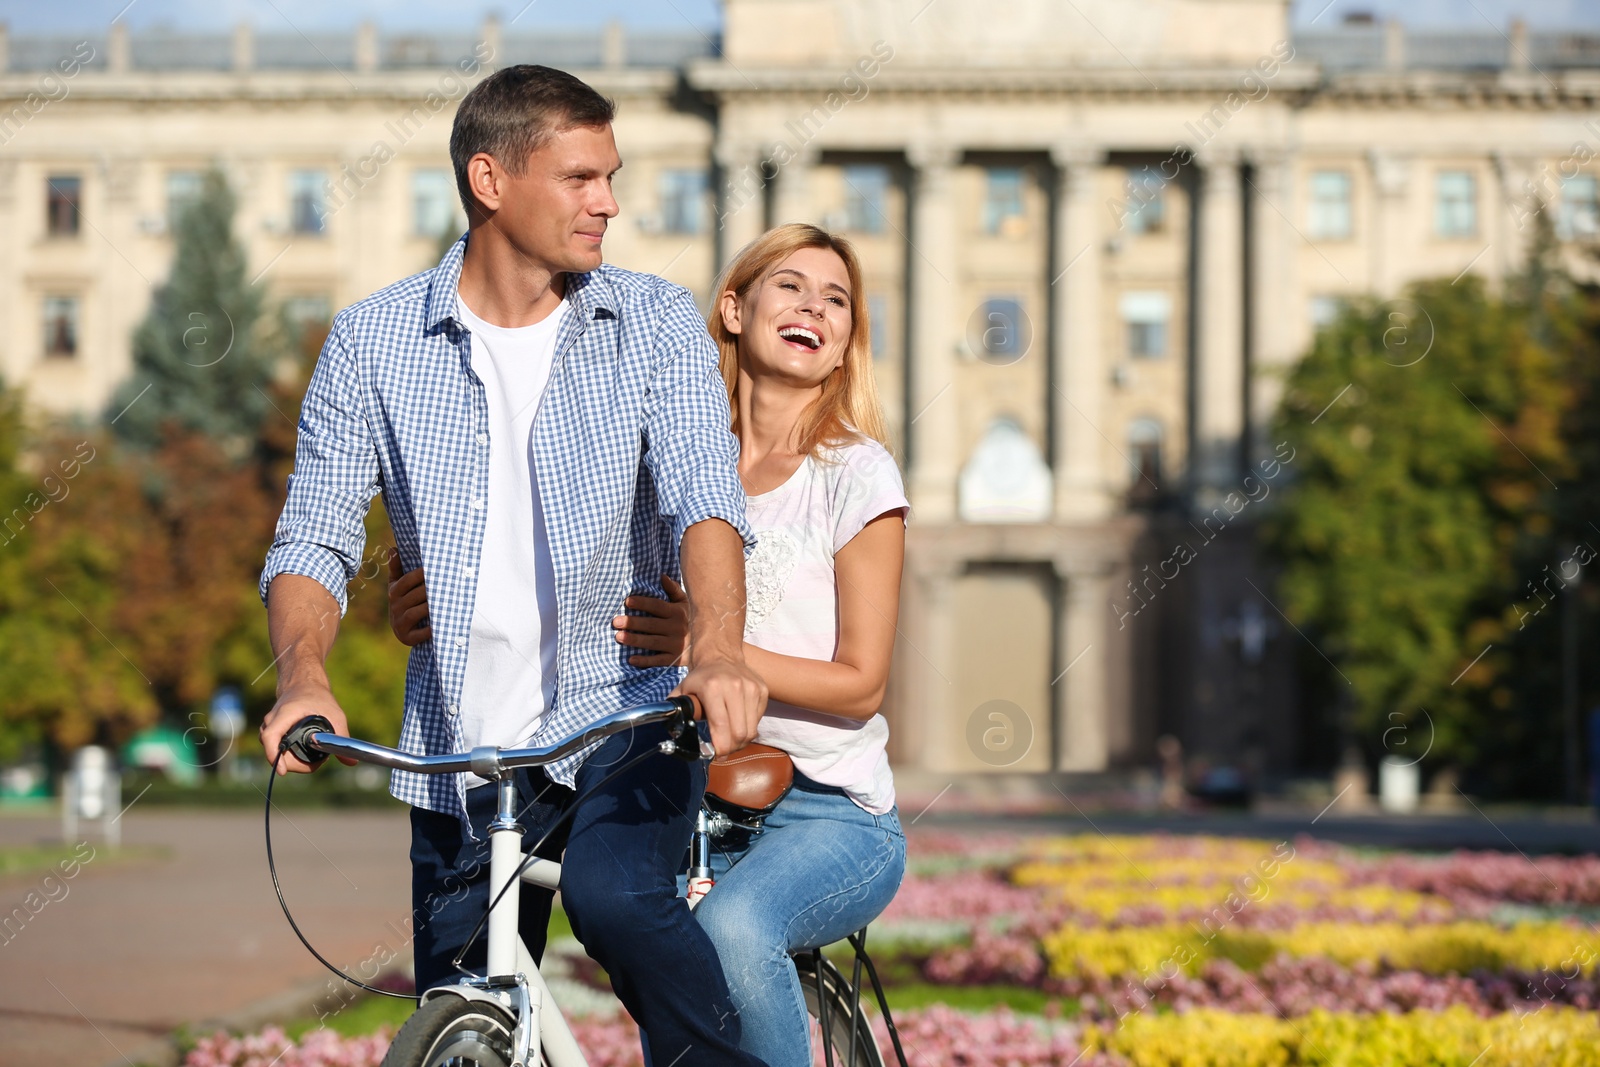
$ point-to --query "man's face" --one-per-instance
(556, 212)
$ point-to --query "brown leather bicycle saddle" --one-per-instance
(750, 781)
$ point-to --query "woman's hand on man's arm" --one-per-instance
(408, 603)
(662, 630)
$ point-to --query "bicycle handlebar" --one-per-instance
(312, 740)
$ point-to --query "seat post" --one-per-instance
(701, 878)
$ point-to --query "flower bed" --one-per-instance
(940, 1037)
(1450, 948)
(1160, 951)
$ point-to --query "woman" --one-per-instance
(822, 586)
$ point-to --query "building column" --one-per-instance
(118, 51)
(929, 725)
(740, 199)
(1273, 303)
(1219, 390)
(1510, 222)
(1079, 373)
(244, 47)
(489, 36)
(934, 433)
(1390, 244)
(791, 200)
(1082, 735)
(367, 52)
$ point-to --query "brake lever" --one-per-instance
(686, 743)
(297, 741)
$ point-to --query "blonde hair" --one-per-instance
(848, 408)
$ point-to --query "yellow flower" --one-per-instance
(1555, 1037)
(1445, 948)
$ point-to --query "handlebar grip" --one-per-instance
(297, 742)
(689, 705)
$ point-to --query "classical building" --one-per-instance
(1095, 236)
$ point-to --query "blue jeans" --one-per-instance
(821, 869)
(619, 887)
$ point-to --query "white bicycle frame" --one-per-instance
(512, 981)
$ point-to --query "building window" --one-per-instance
(866, 197)
(1330, 205)
(308, 190)
(433, 202)
(1002, 200)
(1455, 211)
(878, 324)
(183, 193)
(1007, 332)
(1144, 458)
(308, 309)
(1145, 209)
(1145, 317)
(682, 194)
(1580, 209)
(63, 205)
(61, 326)
(1325, 310)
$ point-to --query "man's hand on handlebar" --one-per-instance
(291, 707)
(732, 697)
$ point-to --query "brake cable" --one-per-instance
(284, 904)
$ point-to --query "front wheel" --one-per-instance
(451, 1031)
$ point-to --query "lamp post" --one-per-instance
(1569, 675)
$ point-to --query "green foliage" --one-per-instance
(201, 357)
(128, 566)
(1427, 445)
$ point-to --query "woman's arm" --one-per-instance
(867, 571)
(851, 686)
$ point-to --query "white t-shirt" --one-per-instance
(511, 650)
(792, 606)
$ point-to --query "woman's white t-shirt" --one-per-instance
(793, 606)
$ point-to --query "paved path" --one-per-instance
(136, 948)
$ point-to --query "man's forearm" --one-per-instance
(302, 622)
(713, 572)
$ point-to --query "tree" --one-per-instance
(129, 563)
(1427, 448)
(367, 666)
(203, 355)
(63, 669)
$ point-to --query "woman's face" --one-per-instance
(795, 325)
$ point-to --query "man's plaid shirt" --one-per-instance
(631, 444)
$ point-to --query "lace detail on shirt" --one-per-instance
(767, 571)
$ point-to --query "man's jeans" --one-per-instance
(618, 886)
(821, 869)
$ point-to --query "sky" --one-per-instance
(32, 16)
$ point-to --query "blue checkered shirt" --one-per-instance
(631, 444)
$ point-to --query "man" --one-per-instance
(550, 434)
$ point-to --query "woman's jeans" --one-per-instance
(821, 869)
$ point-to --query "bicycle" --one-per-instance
(833, 1004)
(507, 1017)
